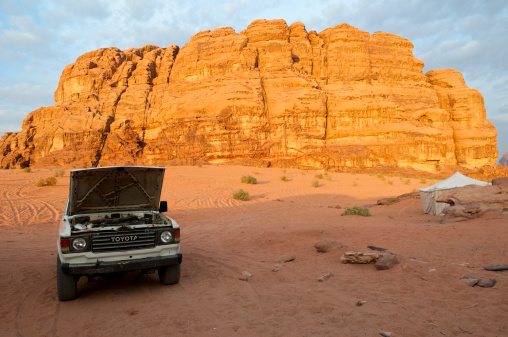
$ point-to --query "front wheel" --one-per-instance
(169, 274)
(66, 284)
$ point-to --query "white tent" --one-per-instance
(430, 194)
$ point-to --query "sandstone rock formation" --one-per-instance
(473, 201)
(341, 98)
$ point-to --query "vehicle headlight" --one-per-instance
(79, 244)
(166, 237)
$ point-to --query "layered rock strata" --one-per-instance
(341, 98)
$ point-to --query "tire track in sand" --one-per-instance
(32, 318)
(9, 212)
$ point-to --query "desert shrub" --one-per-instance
(392, 201)
(50, 181)
(423, 181)
(355, 210)
(328, 177)
(249, 180)
(318, 176)
(390, 182)
(58, 173)
(241, 195)
(407, 182)
(283, 178)
(27, 169)
(314, 183)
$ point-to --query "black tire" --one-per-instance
(169, 274)
(67, 284)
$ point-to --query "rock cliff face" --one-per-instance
(341, 98)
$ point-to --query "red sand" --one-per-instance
(222, 237)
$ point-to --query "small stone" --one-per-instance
(277, 267)
(386, 261)
(325, 277)
(379, 249)
(245, 276)
(286, 258)
(473, 283)
(497, 267)
(360, 257)
(471, 280)
(327, 245)
(486, 283)
(360, 303)
(385, 334)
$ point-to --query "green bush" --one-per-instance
(41, 182)
(283, 178)
(318, 176)
(314, 183)
(27, 169)
(355, 210)
(249, 180)
(58, 173)
(241, 195)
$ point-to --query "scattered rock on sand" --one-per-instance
(245, 275)
(325, 277)
(277, 267)
(386, 261)
(385, 334)
(486, 283)
(327, 245)
(360, 257)
(360, 303)
(286, 258)
(498, 267)
(379, 249)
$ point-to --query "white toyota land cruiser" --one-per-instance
(113, 223)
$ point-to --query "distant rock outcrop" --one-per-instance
(504, 160)
(341, 98)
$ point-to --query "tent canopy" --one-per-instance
(430, 194)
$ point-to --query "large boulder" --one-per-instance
(473, 201)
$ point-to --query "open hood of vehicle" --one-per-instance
(118, 188)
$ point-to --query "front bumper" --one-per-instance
(120, 266)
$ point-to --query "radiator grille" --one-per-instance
(111, 240)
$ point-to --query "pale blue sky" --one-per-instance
(38, 38)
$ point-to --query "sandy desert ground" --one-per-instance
(423, 295)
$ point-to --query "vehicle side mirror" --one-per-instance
(163, 207)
